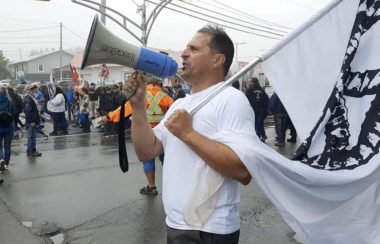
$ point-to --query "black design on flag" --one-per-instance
(344, 149)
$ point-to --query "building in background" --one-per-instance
(39, 67)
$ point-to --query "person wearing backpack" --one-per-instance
(6, 129)
(258, 99)
(17, 104)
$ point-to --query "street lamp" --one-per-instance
(146, 22)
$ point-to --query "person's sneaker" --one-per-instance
(2, 166)
(292, 139)
(34, 154)
(149, 190)
(279, 144)
(6, 164)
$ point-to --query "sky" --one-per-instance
(33, 25)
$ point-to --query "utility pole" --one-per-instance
(102, 9)
(143, 24)
(60, 51)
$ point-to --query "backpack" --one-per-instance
(6, 117)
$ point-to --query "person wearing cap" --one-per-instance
(32, 120)
(157, 104)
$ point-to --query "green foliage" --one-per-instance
(4, 72)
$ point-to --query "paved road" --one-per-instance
(75, 193)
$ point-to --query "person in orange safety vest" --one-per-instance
(157, 104)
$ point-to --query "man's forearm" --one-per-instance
(219, 157)
(142, 134)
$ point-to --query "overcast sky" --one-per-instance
(30, 24)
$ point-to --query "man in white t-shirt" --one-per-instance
(201, 174)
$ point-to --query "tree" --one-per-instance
(4, 72)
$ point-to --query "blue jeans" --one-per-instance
(149, 165)
(5, 145)
(70, 111)
(31, 147)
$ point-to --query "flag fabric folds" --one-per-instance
(328, 79)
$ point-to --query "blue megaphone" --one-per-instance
(104, 47)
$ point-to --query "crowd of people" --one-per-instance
(73, 106)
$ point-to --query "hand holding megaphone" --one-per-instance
(104, 47)
(135, 87)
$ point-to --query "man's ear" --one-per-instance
(219, 59)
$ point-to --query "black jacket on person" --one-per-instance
(31, 111)
(93, 94)
(105, 101)
(257, 97)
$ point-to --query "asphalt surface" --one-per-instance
(76, 193)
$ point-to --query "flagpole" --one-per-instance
(223, 85)
(290, 37)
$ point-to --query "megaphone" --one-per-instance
(104, 47)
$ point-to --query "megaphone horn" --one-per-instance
(104, 47)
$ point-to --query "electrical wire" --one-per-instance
(210, 21)
(27, 20)
(248, 22)
(229, 8)
(41, 28)
(27, 37)
(229, 22)
(18, 43)
(75, 34)
(301, 4)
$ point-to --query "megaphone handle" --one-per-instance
(128, 95)
(146, 77)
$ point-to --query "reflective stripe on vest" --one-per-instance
(154, 112)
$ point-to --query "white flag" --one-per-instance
(328, 79)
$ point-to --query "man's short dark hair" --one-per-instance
(220, 43)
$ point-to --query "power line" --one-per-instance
(42, 28)
(249, 16)
(248, 22)
(229, 22)
(75, 34)
(301, 4)
(18, 43)
(135, 3)
(28, 20)
(27, 37)
(72, 45)
(214, 22)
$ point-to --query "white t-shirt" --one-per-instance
(228, 111)
(57, 104)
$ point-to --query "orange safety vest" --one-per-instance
(157, 102)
